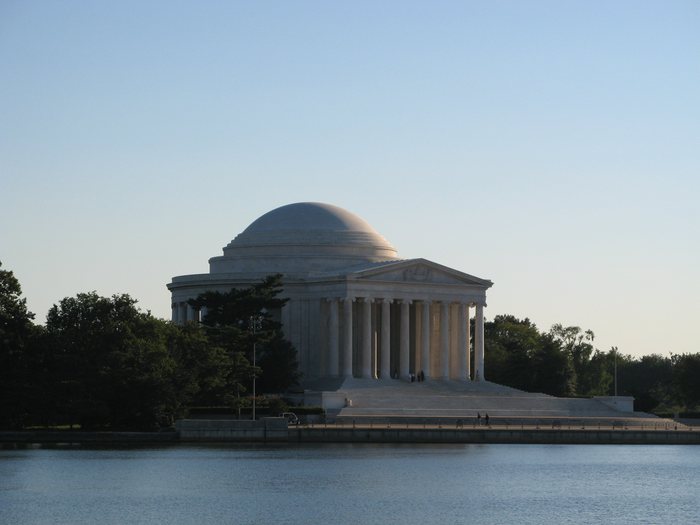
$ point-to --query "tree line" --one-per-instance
(101, 362)
(563, 361)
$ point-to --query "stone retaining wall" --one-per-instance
(274, 430)
(268, 429)
(487, 435)
(107, 438)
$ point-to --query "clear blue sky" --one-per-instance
(552, 147)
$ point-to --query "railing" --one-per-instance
(474, 425)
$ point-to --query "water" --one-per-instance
(353, 484)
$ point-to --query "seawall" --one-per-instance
(275, 430)
(490, 435)
(106, 438)
(270, 430)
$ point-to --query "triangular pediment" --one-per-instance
(417, 271)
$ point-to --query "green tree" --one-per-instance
(510, 343)
(599, 372)
(516, 340)
(278, 363)
(16, 331)
(43, 391)
(649, 379)
(201, 367)
(519, 355)
(578, 345)
(686, 371)
(112, 364)
(229, 322)
(552, 371)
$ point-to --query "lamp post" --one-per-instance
(615, 372)
(614, 350)
(255, 323)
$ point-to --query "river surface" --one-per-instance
(352, 484)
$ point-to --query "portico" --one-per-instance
(391, 336)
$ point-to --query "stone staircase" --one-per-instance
(449, 401)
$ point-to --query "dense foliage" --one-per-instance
(102, 363)
(564, 362)
(241, 321)
(16, 332)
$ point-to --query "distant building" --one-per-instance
(356, 309)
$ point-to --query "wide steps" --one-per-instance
(391, 399)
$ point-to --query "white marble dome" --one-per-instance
(303, 238)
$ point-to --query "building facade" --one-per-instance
(355, 308)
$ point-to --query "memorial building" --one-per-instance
(355, 309)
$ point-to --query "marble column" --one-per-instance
(347, 346)
(469, 342)
(192, 314)
(425, 343)
(367, 372)
(455, 367)
(404, 341)
(463, 342)
(183, 313)
(445, 340)
(333, 339)
(385, 362)
(479, 344)
(285, 319)
(174, 317)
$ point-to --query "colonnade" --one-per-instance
(433, 339)
(383, 338)
(183, 312)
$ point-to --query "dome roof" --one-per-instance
(310, 236)
(310, 222)
(309, 216)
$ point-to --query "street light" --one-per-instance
(614, 351)
(255, 324)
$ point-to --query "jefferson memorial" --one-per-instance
(355, 309)
(365, 322)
